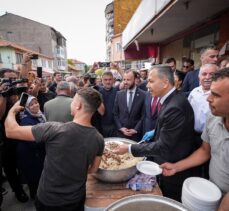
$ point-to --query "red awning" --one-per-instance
(143, 51)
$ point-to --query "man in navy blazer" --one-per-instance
(129, 109)
(174, 132)
(150, 117)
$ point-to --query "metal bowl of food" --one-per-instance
(116, 168)
(146, 202)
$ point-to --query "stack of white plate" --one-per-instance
(199, 194)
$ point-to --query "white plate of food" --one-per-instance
(149, 168)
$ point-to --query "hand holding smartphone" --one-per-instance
(23, 99)
(39, 72)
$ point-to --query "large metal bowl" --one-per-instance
(146, 202)
(116, 176)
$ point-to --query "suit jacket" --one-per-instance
(174, 137)
(58, 109)
(122, 117)
(149, 118)
(191, 81)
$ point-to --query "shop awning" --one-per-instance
(140, 52)
(159, 21)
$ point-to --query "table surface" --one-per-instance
(101, 194)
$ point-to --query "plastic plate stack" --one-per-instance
(199, 194)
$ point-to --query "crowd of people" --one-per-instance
(53, 142)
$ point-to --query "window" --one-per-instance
(61, 63)
(49, 64)
(64, 42)
(58, 51)
(18, 58)
(58, 63)
(1, 59)
(34, 62)
(118, 47)
(43, 62)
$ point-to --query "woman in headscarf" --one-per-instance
(31, 154)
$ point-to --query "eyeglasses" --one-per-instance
(185, 66)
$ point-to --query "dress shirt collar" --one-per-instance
(132, 90)
(162, 100)
(200, 89)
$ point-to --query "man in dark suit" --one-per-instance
(129, 108)
(174, 138)
(150, 117)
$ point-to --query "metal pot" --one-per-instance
(146, 202)
(116, 176)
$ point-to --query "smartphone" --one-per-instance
(34, 56)
(39, 72)
(104, 64)
(23, 99)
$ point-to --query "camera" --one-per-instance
(91, 77)
(11, 87)
(104, 64)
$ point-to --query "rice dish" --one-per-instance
(111, 161)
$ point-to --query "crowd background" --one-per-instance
(129, 110)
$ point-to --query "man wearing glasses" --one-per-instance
(188, 65)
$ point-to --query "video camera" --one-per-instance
(11, 87)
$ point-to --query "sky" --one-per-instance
(81, 22)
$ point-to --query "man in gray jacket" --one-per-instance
(58, 109)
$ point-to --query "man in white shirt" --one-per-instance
(198, 96)
(198, 100)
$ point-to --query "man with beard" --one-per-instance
(129, 108)
(108, 92)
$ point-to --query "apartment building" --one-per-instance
(36, 36)
(117, 13)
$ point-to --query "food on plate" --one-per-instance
(111, 161)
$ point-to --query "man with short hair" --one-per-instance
(58, 109)
(144, 74)
(73, 150)
(215, 146)
(108, 92)
(57, 78)
(198, 100)
(188, 65)
(41, 92)
(198, 96)
(171, 62)
(208, 55)
(173, 137)
(129, 108)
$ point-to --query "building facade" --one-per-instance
(35, 36)
(11, 55)
(176, 29)
(118, 13)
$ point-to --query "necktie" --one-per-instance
(154, 105)
(159, 107)
(130, 100)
